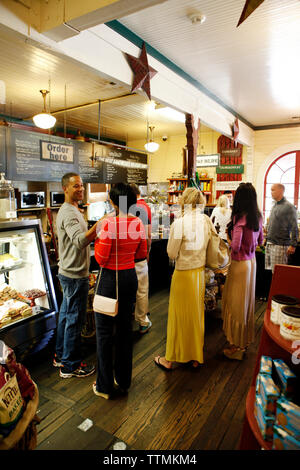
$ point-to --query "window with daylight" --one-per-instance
(285, 170)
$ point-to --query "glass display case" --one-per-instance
(28, 304)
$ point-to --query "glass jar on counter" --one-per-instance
(7, 199)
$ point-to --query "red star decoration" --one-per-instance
(249, 8)
(142, 72)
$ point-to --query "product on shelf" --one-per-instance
(265, 422)
(8, 293)
(269, 393)
(177, 185)
(290, 323)
(288, 417)
(275, 384)
(282, 440)
(12, 310)
(265, 365)
(286, 380)
(279, 301)
(7, 261)
(34, 293)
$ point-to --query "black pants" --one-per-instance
(114, 334)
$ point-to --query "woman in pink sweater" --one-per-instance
(238, 299)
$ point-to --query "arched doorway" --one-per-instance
(286, 170)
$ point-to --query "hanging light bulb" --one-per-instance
(151, 146)
(44, 120)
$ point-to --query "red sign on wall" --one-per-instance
(230, 154)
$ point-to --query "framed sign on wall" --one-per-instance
(207, 160)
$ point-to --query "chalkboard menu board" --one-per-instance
(121, 165)
(2, 150)
(110, 164)
(89, 170)
(24, 161)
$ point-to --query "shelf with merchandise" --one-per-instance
(205, 186)
(176, 187)
(285, 280)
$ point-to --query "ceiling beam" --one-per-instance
(62, 19)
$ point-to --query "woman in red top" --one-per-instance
(121, 240)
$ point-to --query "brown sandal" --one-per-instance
(234, 352)
(159, 364)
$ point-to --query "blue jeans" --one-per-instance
(70, 321)
(114, 334)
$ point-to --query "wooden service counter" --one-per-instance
(160, 270)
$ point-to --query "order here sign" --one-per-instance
(57, 152)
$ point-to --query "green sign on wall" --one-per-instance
(230, 169)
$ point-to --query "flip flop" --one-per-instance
(158, 363)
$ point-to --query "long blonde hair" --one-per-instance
(223, 203)
(191, 197)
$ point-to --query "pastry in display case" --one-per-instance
(27, 299)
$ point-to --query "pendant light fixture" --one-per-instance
(44, 120)
(151, 146)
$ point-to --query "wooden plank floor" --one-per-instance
(183, 409)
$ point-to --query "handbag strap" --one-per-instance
(117, 272)
(117, 276)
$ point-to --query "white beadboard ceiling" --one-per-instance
(26, 69)
(252, 69)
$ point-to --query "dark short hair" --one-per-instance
(122, 190)
(136, 189)
(66, 178)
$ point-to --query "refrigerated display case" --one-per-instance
(28, 305)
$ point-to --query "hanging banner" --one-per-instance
(230, 169)
(208, 160)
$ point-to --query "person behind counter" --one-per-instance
(122, 240)
(221, 215)
(73, 274)
(230, 197)
(189, 236)
(238, 297)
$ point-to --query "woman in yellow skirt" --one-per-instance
(189, 236)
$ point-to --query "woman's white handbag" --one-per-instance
(106, 305)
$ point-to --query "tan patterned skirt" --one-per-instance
(238, 303)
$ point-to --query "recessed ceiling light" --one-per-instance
(197, 17)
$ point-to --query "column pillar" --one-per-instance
(192, 144)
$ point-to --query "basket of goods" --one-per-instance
(19, 400)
